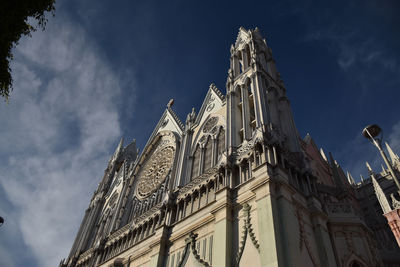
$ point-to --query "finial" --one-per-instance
(350, 178)
(395, 202)
(368, 167)
(392, 155)
(191, 117)
(170, 103)
(321, 151)
(383, 168)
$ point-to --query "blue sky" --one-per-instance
(103, 70)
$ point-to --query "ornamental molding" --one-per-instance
(242, 39)
(247, 230)
(246, 149)
(164, 123)
(210, 174)
(86, 255)
(178, 121)
(96, 199)
(395, 202)
(210, 124)
(217, 91)
(156, 164)
(213, 97)
(303, 239)
(244, 78)
(151, 213)
(117, 235)
(191, 247)
(210, 129)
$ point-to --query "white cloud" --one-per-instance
(60, 126)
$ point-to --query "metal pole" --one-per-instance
(388, 164)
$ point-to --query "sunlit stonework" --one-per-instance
(234, 185)
(155, 169)
(211, 122)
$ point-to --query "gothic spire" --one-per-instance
(369, 167)
(335, 172)
(118, 150)
(350, 179)
(394, 157)
(380, 195)
(323, 154)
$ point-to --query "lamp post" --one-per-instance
(374, 134)
(1, 221)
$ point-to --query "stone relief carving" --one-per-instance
(156, 168)
(395, 202)
(211, 122)
(214, 130)
(191, 245)
(247, 230)
(212, 98)
(246, 147)
(303, 236)
(210, 107)
(203, 139)
(164, 123)
(155, 171)
(113, 199)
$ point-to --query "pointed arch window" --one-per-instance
(196, 162)
(208, 155)
(252, 114)
(221, 143)
(247, 57)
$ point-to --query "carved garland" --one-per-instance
(191, 244)
(351, 252)
(247, 230)
(303, 237)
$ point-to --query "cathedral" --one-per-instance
(234, 185)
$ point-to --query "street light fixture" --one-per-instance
(374, 134)
(1, 221)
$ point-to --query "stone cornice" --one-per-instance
(176, 118)
(85, 255)
(148, 214)
(210, 174)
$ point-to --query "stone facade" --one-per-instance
(232, 186)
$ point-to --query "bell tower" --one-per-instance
(256, 95)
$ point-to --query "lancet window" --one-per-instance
(209, 147)
(221, 143)
(196, 162)
(247, 111)
(208, 154)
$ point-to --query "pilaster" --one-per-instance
(222, 247)
(324, 245)
(268, 225)
(158, 248)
